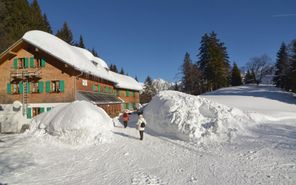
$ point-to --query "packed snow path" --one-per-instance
(267, 158)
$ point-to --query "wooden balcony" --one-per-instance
(25, 74)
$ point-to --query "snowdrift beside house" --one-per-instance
(174, 114)
(79, 122)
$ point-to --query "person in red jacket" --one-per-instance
(125, 118)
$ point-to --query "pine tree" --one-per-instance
(113, 68)
(65, 34)
(15, 21)
(121, 71)
(136, 78)
(292, 68)
(236, 78)
(213, 62)
(187, 79)
(249, 78)
(94, 52)
(148, 91)
(37, 20)
(47, 25)
(282, 65)
(81, 42)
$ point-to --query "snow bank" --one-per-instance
(79, 122)
(175, 114)
(11, 118)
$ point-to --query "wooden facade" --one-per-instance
(35, 78)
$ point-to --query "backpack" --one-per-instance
(143, 124)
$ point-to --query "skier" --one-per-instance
(125, 119)
(141, 124)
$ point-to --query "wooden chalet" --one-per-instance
(42, 71)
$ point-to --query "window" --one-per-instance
(34, 87)
(134, 94)
(21, 63)
(55, 86)
(16, 88)
(127, 93)
(39, 62)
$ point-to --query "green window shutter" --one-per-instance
(15, 63)
(40, 86)
(115, 93)
(42, 62)
(21, 87)
(94, 87)
(29, 113)
(26, 62)
(134, 94)
(28, 87)
(8, 89)
(47, 86)
(32, 64)
(48, 109)
(62, 85)
(41, 109)
(99, 88)
(127, 93)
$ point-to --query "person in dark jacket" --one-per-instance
(141, 124)
(125, 118)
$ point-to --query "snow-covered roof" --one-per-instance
(79, 58)
(126, 82)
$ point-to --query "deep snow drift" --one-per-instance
(79, 122)
(172, 114)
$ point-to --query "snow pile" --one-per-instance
(79, 122)
(175, 114)
(11, 118)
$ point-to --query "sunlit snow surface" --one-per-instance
(262, 152)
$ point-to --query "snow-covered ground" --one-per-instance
(263, 152)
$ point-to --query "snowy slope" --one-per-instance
(266, 156)
(270, 101)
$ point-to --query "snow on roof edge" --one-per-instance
(66, 53)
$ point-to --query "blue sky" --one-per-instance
(150, 37)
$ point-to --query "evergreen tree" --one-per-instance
(37, 20)
(47, 25)
(187, 79)
(121, 71)
(16, 18)
(191, 80)
(148, 92)
(249, 78)
(282, 65)
(292, 68)
(65, 34)
(113, 68)
(236, 78)
(213, 62)
(136, 78)
(94, 52)
(15, 21)
(81, 42)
